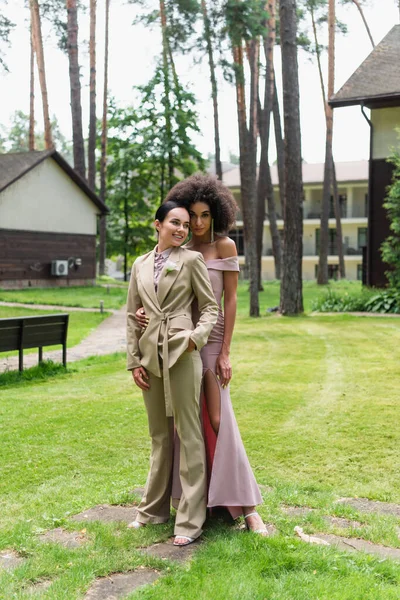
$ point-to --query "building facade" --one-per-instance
(48, 222)
(352, 178)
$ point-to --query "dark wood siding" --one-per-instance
(378, 225)
(27, 255)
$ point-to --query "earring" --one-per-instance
(212, 230)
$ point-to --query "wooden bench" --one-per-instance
(20, 333)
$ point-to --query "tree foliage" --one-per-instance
(137, 164)
(6, 26)
(15, 138)
(391, 246)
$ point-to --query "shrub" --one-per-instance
(366, 300)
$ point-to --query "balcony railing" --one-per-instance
(332, 251)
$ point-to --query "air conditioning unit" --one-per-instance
(59, 267)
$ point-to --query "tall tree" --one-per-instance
(313, 5)
(214, 87)
(32, 92)
(38, 46)
(166, 55)
(92, 104)
(291, 301)
(245, 24)
(103, 157)
(265, 190)
(75, 86)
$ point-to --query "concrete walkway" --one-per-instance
(107, 338)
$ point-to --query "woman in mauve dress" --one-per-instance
(231, 482)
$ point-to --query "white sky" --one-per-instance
(132, 52)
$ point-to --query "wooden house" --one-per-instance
(376, 85)
(48, 222)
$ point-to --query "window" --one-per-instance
(237, 236)
(332, 242)
(359, 272)
(333, 272)
(342, 205)
(361, 237)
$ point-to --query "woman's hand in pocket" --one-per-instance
(142, 318)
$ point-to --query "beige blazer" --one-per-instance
(183, 278)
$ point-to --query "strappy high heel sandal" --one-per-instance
(136, 525)
(262, 531)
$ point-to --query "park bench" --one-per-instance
(20, 333)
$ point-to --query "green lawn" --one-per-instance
(82, 297)
(115, 297)
(317, 403)
(79, 326)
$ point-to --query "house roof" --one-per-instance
(15, 165)
(313, 173)
(376, 82)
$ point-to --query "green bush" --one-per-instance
(366, 300)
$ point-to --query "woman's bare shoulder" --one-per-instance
(226, 247)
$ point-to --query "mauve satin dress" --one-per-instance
(231, 482)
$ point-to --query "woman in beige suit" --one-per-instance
(166, 365)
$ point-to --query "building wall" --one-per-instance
(385, 121)
(46, 199)
(25, 257)
(356, 219)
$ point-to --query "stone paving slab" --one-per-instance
(107, 514)
(374, 506)
(303, 511)
(107, 338)
(119, 585)
(68, 539)
(360, 545)
(167, 550)
(9, 559)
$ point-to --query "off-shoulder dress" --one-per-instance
(231, 482)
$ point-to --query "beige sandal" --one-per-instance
(188, 541)
(263, 531)
(136, 525)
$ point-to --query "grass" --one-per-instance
(45, 370)
(317, 403)
(115, 297)
(81, 297)
(79, 327)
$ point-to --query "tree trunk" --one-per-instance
(103, 158)
(214, 89)
(265, 188)
(32, 95)
(167, 104)
(38, 45)
(92, 103)
(291, 301)
(356, 2)
(280, 147)
(76, 107)
(338, 216)
(248, 162)
(326, 196)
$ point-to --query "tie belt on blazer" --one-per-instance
(165, 320)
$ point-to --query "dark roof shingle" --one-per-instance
(376, 82)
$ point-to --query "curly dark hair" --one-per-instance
(211, 191)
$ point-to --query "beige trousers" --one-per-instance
(185, 381)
